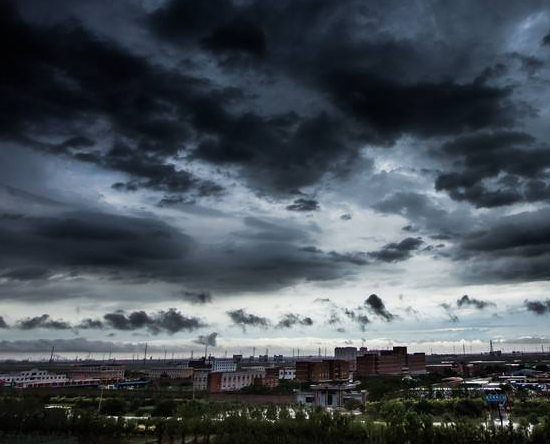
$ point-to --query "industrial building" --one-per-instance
(169, 373)
(322, 371)
(390, 362)
(233, 381)
(103, 372)
(42, 378)
(331, 395)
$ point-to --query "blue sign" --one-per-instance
(496, 398)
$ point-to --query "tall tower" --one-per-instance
(491, 349)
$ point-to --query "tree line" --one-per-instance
(222, 423)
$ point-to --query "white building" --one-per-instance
(200, 380)
(235, 381)
(42, 378)
(287, 373)
(223, 365)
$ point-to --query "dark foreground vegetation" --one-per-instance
(26, 419)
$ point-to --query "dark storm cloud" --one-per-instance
(3, 323)
(25, 273)
(304, 205)
(62, 79)
(280, 153)
(368, 85)
(243, 319)
(197, 297)
(512, 248)
(90, 241)
(498, 168)
(467, 301)
(376, 306)
(44, 321)
(538, 307)
(267, 256)
(346, 216)
(245, 91)
(397, 251)
(425, 109)
(352, 258)
(546, 40)
(355, 258)
(363, 77)
(290, 320)
(210, 339)
(170, 321)
(156, 113)
(238, 36)
(425, 212)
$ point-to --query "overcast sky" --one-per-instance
(279, 174)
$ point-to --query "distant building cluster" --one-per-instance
(227, 375)
(329, 381)
(364, 362)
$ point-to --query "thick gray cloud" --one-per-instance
(512, 158)
(397, 251)
(290, 320)
(170, 321)
(243, 319)
(466, 301)
(197, 297)
(209, 339)
(304, 205)
(44, 321)
(538, 307)
(175, 150)
(3, 323)
(512, 248)
(376, 306)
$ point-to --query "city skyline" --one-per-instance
(295, 174)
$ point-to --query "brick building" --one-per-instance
(169, 373)
(416, 363)
(322, 371)
(390, 362)
(103, 372)
(348, 354)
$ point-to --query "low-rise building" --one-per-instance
(103, 372)
(390, 362)
(416, 363)
(348, 354)
(322, 371)
(200, 380)
(169, 373)
(42, 378)
(288, 373)
(223, 364)
(233, 381)
(331, 395)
